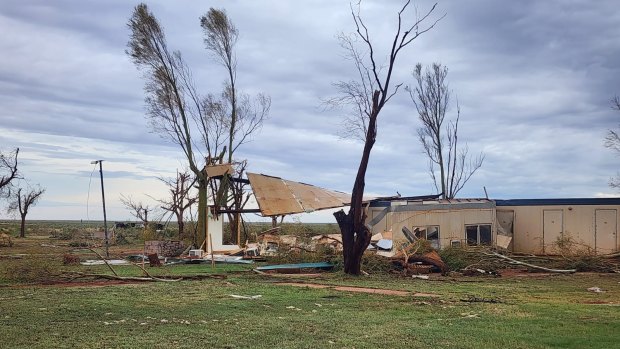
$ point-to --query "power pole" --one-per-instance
(105, 221)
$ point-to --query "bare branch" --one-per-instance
(8, 168)
(368, 97)
(137, 209)
(612, 141)
(431, 97)
(21, 200)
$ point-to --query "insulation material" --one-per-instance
(503, 241)
(505, 220)
(277, 196)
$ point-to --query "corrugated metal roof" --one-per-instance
(557, 202)
(277, 196)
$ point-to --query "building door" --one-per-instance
(552, 229)
(605, 231)
(505, 224)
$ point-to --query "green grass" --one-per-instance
(536, 311)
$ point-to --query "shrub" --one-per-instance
(456, 258)
(70, 259)
(37, 270)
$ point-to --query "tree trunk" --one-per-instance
(22, 228)
(181, 225)
(355, 233)
(353, 245)
(202, 212)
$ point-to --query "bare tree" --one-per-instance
(612, 141)
(8, 168)
(180, 198)
(173, 104)
(236, 113)
(21, 201)
(431, 96)
(137, 209)
(375, 83)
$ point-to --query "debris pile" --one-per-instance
(167, 248)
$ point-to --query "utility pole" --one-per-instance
(105, 221)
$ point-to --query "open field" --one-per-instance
(525, 310)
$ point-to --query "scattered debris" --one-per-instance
(423, 277)
(90, 262)
(154, 260)
(287, 268)
(474, 299)
(246, 297)
(357, 289)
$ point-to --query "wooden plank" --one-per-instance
(219, 170)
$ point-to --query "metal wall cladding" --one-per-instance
(450, 218)
(536, 228)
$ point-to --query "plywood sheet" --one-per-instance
(219, 170)
(277, 196)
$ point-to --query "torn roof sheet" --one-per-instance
(219, 170)
(277, 196)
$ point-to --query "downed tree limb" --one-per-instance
(514, 261)
(76, 274)
(148, 277)
(104, 261)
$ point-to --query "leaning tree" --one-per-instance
(202, 126)
(368, 95)
(241, 114)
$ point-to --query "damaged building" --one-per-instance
(532, 226)
(526, 225)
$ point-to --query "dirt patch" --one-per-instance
(64, 284)
(358, 289)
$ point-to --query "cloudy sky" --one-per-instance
(534, 81)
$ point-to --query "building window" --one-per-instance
(430, 233)
(478, 234)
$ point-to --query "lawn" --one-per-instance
(531, 310)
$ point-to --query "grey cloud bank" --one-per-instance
(533, 80)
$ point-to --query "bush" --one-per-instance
(70, 259)
(37, 270)
(456, 258)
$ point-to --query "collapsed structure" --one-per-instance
(533, 226)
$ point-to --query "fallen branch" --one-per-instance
(104, 261)
(76, 274)
(514, 261)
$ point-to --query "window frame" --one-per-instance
(478, 235)
(436, 243)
